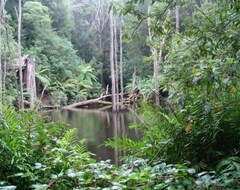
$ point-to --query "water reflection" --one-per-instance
(96, 126)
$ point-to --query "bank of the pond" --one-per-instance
(41, 155)
(96, 126)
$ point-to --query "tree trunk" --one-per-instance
(116, 63)
(19, 16)
(1, 13)
(157, 51)
(112, 60)
(133, 80)
(30, 81)
(4, 77)
(177, 18)
(1, 74)
(155, 60)
(6, 45)
(100, 39)
(121, 62)
(155, 78)
(91, 101)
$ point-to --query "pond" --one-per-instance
(96, 126)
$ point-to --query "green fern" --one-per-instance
(228, 165)
(125, 144)
(81, 147)
(69, 139)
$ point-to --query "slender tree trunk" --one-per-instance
(112, 61)
(101, 58)
(1, 22)
(157, 52)
(1, 73)
(2, 58)
(6, 46)
(31, 82)
(19, 15)
(177, 18)
(155, 78)
(116, 63)
(4, 77)
(133, 80)
(155, 60)
(121, 62)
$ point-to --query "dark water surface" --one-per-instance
(96, 126)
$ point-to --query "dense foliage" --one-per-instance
(62, 76)
(199, 121)
(200, 118)
(38, 154)
(190, 142)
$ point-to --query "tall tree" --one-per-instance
(177, 18)
(1, 22)
(155, 59)
(19, 17)
(157, 44)
(121, 59)
(112, 59)
(116, 61)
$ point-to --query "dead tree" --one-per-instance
(121, 61)
(177, 18)
(112, 60)
(116, 62)
(29, 79)
(19, 17)
(2, 5)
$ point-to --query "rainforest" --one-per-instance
(166, 69)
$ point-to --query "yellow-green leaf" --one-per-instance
(233, 89)
(189, 126)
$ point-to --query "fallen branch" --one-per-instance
(92, 101)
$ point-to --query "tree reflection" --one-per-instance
(96, 126)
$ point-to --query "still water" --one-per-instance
(96, 126)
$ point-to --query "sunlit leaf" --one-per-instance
(233, 89)
(189, 126)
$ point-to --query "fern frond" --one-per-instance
(81, 147)
(125, 144)
(69, 138)
(229, 164)
(10, 117)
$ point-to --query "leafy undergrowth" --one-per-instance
(36, 154)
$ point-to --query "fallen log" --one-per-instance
(104, 102)
(48, 107)
(92, 101)
(94, 110)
